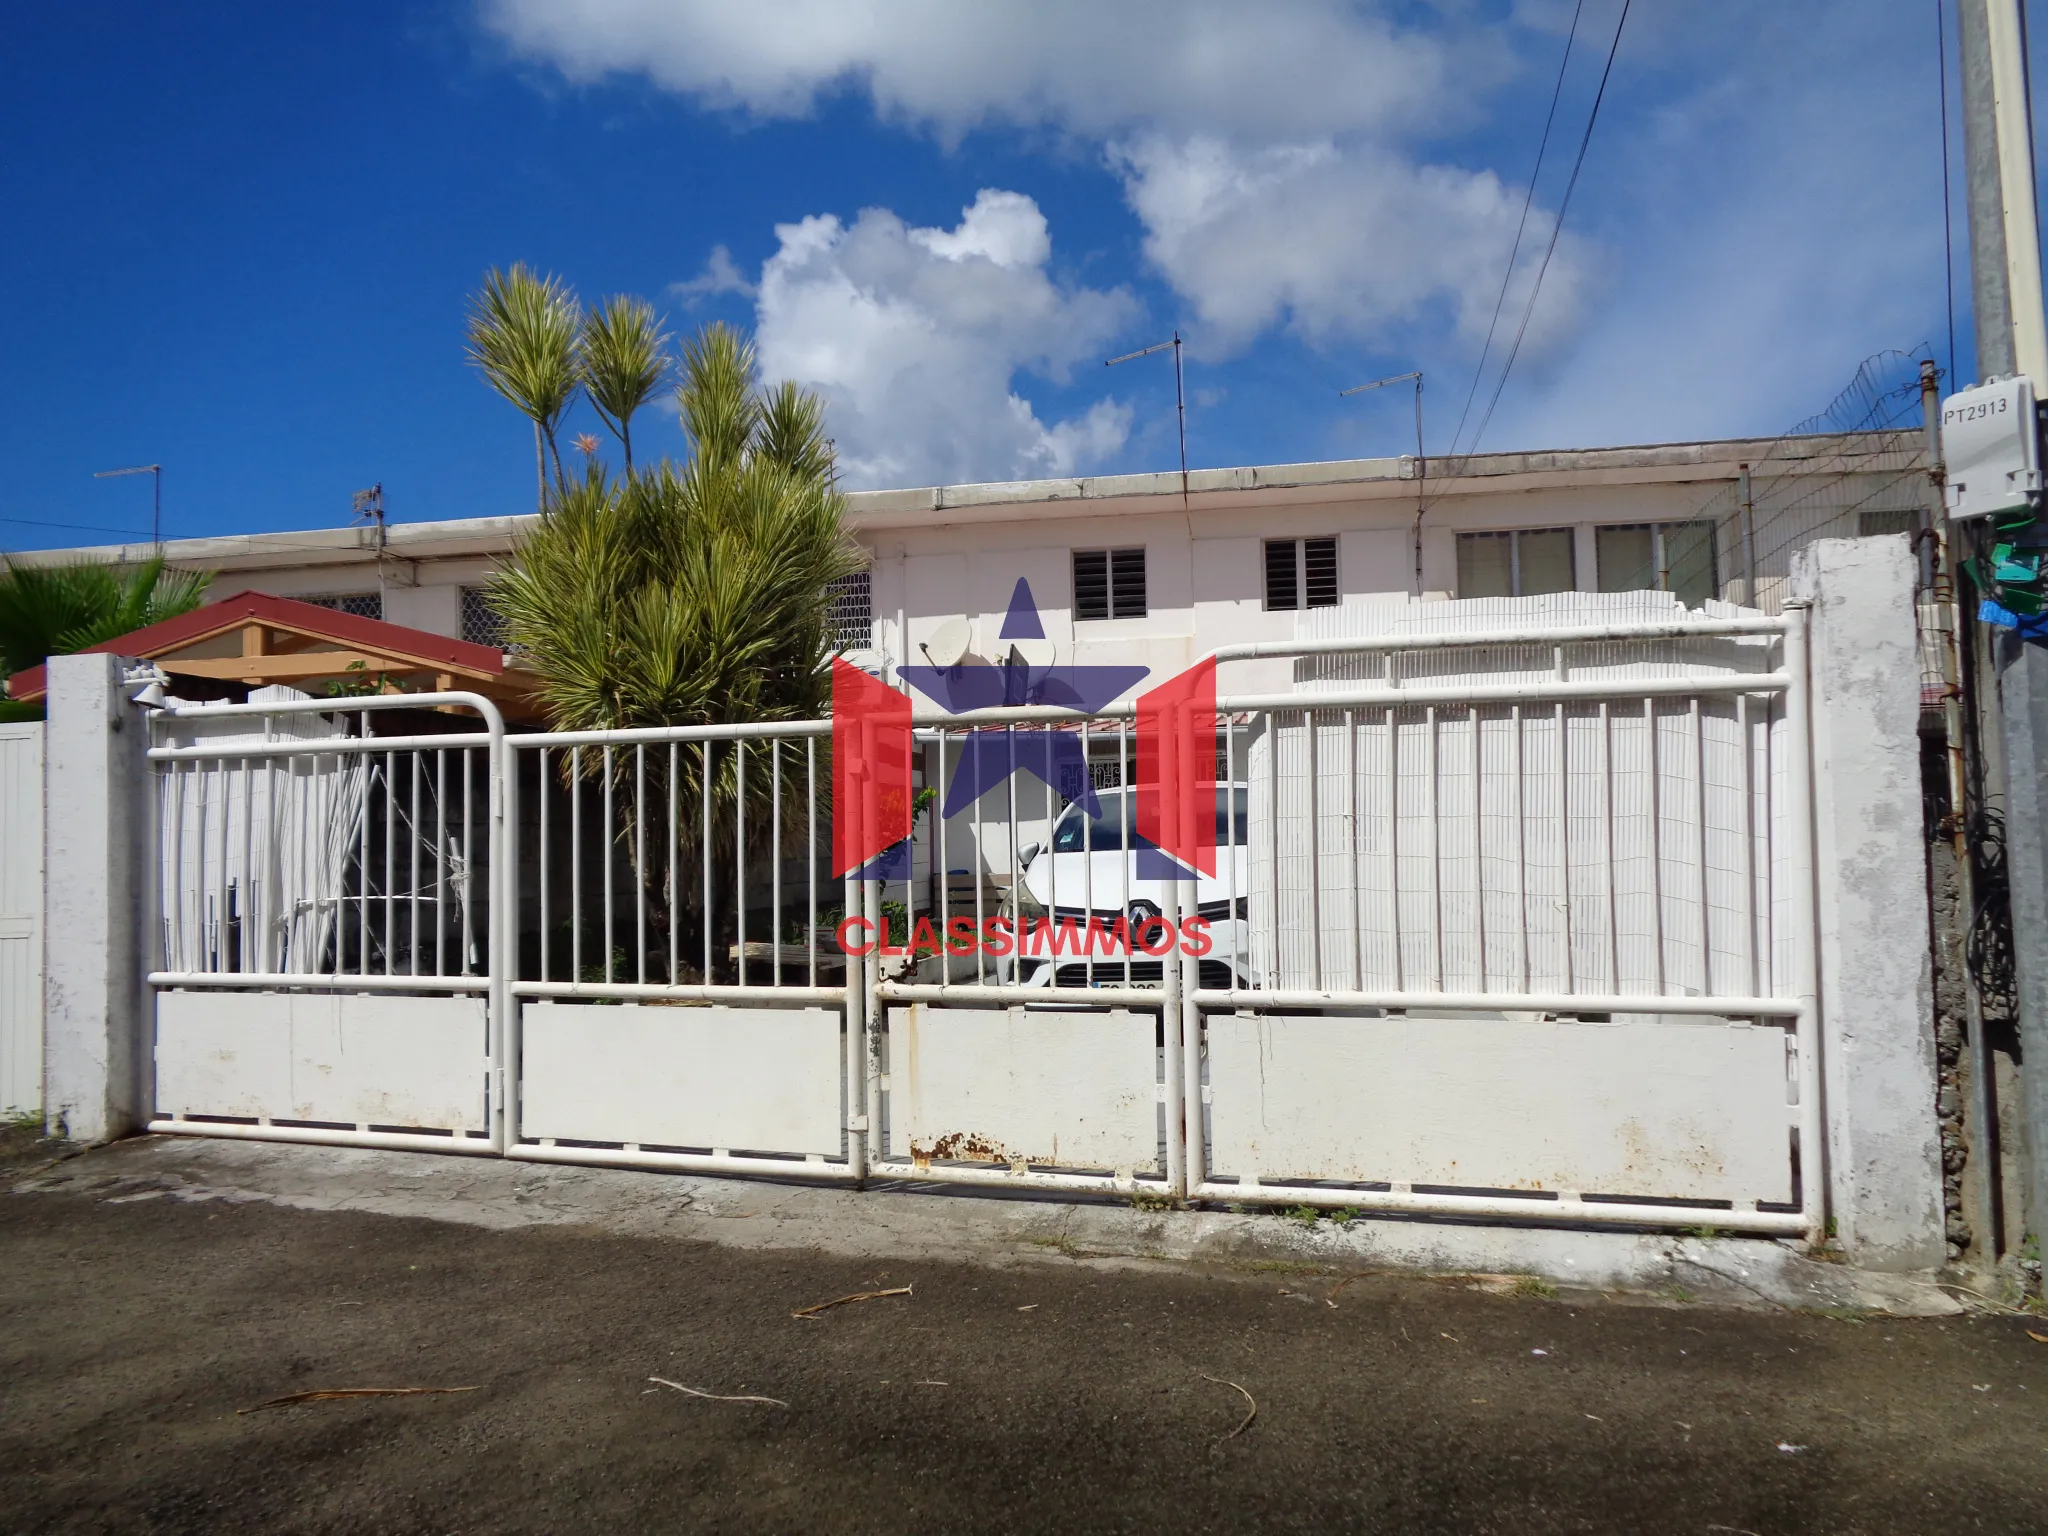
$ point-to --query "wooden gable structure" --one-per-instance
(253, 639)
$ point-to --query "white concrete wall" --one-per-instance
(96, 821)
(1877, 1015)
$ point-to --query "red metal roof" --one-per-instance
(394, 640)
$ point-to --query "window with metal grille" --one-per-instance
(1658, 557)
(1518, 562)
(481, 624)
(1301, 573)
(852, 619)
(1109, 583)
(1874, 524)
(364, 605)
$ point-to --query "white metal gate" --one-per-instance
(21, 917)
(1510, 925)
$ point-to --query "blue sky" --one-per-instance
(240, 236)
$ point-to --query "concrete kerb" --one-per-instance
(905, 1222)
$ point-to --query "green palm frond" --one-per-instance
(623, 357)
(696, 594)
(523, 332)
(53, 610)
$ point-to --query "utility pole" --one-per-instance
(2012, 337)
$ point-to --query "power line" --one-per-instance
(1528, 198)
(1556, 229)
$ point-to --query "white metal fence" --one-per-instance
(1513, 925)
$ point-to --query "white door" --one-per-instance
(21, 917)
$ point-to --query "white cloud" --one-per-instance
(1753, 219)
(1334, 242)
(721, 274)
(1258, 144)
(1268, 72)
(914, 336)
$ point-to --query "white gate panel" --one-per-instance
(1661, 1110)
(347, 1060)
(1078, 1090)
(731, 1079)
(21, 917)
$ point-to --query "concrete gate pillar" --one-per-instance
(1870, 876)
(97, 873)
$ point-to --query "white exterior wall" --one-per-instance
(957, 551)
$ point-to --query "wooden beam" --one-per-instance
(283, 668)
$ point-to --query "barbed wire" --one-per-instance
(1852, 469)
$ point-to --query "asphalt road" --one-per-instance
(1049, 1396)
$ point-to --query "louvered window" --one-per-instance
(1301, 573)
(1109, 583)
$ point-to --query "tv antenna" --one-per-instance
(1180, 403)
(368, 507)
(156, 500)
(1421, 461)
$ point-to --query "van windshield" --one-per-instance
(1112, 830)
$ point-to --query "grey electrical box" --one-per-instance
(1991, 447)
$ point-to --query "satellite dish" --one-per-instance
(948, 643)
(1032, 651)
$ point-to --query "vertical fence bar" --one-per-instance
(541, 793)
(1434, 816)
(739, 850)
(811, 860)
(1351, 848)
(441, 861)
(507, 1038)
(363, 863)
(609, 836)
(981, 967)
(775, 861)
(469, 867)
(1745, 731)
(1564, 837)
(1699, 784)
(671, 851)
(1478, 850)
(1176, 775)
(1520, 726)
(1656, 841)
(248, 913)
(390, 855)
(1805, 960)
(1315, 848)
(413, 842)
(640, 861)
(575, 865)
(704, 762)
(1607, 845)
(1394, 842)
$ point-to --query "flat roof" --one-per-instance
(480, 537)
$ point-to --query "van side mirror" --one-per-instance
(1029, 852)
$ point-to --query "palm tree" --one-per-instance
(622, 356)
(522, 337)
(53, 610)
(695, 594)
